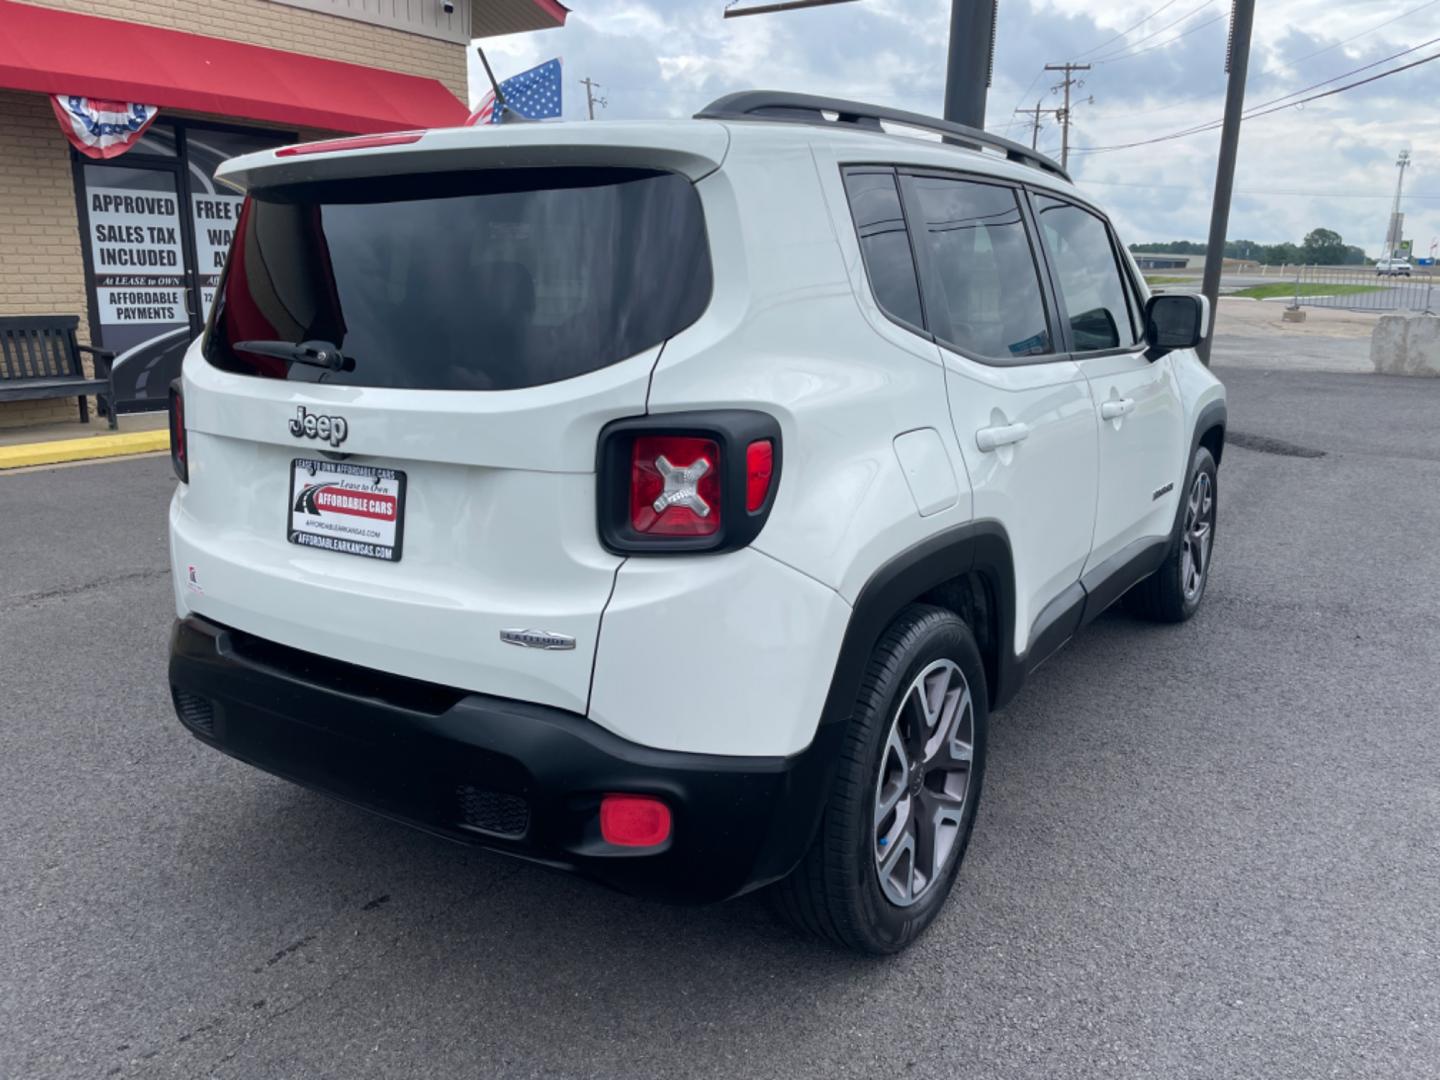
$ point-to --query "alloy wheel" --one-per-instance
(920, 794)
(1198, 533)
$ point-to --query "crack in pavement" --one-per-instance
(31, 599)
(244, 1006)
(349, 971)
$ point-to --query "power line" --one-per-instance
(1023, 95)
(1263, 111)
(1313, 86)
(1026, 92)
(1362, 33)
(1155, 33)
(1114, 57)
(1131, 29)
(1347, 74)
(1298, 60)
(1163, 44)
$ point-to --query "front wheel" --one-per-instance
(1173, 593)
(906, 788)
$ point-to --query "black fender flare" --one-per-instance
(1215, 414)
(981, 546)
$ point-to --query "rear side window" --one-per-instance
(1089, 279)
(884, 244)
(980, 269)
(484, 280)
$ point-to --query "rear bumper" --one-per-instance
(507, 775)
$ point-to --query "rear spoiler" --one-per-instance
(692, 149)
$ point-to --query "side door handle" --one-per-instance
(992, 438)
(1114, 410)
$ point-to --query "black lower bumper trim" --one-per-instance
(515, 777)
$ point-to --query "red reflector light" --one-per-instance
(675, 486)
(634, 820)
(759, 468)
(359, 142)
(177, 436)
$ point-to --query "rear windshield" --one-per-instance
(485, 280)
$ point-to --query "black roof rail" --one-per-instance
(811, 109)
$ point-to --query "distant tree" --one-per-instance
(1324, 247)
(1280, 254)
(1171, 247)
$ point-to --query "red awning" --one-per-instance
(59, 52)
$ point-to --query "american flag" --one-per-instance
(533, 94)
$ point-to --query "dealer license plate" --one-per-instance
(353, 509)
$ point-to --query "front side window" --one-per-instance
(884, 243)
(1088, 277)
(980, 269)
(483, 280)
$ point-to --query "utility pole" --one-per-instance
(1237, 62)
(1063, 114)
(590, 99)
(971, 61)
(1396, 232)
(1035, 115)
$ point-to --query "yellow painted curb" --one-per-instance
(98, 446)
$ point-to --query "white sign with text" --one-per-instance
(136, 233)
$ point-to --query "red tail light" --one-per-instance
(759, 468)
(179, 459)
(634, 820)
(675, 486)
(686, 482)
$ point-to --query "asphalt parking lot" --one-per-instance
(1204, 851)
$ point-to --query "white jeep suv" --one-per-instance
(674, 502)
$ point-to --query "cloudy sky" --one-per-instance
(1330, 163)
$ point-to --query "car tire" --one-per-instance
(923, 698)
(1173, 593)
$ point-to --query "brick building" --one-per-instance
(228, 78)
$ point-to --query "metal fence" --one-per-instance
(1357, 288)
(1360, 288)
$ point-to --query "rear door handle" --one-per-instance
(992, 438)
(1114, 410)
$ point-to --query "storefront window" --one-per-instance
(215, 207)
(136, 253)
(158, 227)
(159, 139)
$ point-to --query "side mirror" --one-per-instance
(1175, 321)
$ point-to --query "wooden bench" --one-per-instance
(40, 358)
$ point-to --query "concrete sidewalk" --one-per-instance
(52, 444)
(1251, 334)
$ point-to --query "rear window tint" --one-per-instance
(1091, 283)
(982, 279)
(885, 243)
(486, 280)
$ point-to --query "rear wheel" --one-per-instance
(1173, 593)
(906, 788)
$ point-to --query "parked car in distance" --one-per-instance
(1393, 267)
(674, 502)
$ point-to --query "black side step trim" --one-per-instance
(1083, 601)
